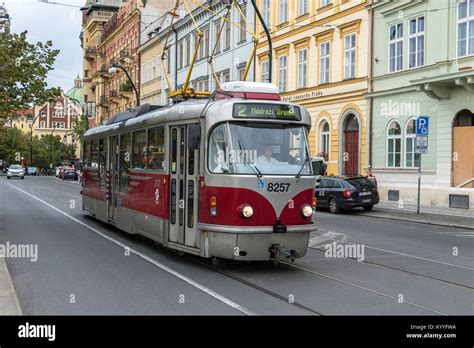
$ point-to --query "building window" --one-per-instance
(241, 72)
(283, 11)
(224, 76)
(396, 48)
(227, 36)
(205, 48)
(465, 27)
(302, 67)
(153, 70)
(217, 35)
(180, 55)
(394, 145)
(188, 51)
(266, 12)
(265, 71)
(349, 56)
(324, 138)
(243, 24)
(43, 124)
(416, 54)
(302, 7)
(324, 62)
(412, 159)
(325, 3)
(282, 73)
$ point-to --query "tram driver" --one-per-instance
(266, 157)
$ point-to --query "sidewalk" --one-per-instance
(8, 301)
(451, 217)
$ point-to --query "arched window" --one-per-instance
(411, 158)
(324, 137)
(394, 144)
(43, 124)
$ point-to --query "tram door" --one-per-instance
(184, 176)
(113, 176)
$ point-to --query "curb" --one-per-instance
(410, 218)
(9, 304)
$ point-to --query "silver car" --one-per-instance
(15, 170)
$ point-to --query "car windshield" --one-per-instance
(15, 167)
(259, 148)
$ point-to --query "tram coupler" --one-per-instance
(279, 252)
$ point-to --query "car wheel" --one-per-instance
(8, 177)
(333, 206)
(22, 177)
(368, 207)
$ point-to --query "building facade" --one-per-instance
(230, 51)
(424, 65)
(4, 19)
(320, 59)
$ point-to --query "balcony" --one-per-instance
(114, 97)
(98, 16)
(90, 53)
(126, 90)
(104, 71)
(124, 56)
(103, 101)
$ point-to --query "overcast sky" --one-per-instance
(61, 25)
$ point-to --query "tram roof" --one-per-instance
(149, 115)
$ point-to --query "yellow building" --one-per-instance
(320, 61)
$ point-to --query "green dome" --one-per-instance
(76, 92)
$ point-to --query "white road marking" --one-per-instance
(147, 258)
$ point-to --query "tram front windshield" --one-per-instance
(259, 148)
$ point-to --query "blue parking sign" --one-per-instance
(422, 125)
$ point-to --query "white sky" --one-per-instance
(61, 25)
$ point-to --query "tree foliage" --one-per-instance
(23, 72)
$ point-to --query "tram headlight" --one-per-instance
(307, 210)
(246, 211)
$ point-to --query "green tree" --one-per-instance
(13, 145)
(81, 126)
(23, 71)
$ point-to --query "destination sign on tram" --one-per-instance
(267, 111)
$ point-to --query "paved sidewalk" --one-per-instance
(8, 301)
(463, 218)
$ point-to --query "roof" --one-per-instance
(76, 92)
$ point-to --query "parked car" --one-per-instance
(15, 171)
(340, 192)
(69, 173)
(32, 171)
(59, 171)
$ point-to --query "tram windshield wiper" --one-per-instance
(303, 166)
(252, 165)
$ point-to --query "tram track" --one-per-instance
(256, 287)
(359, 287)
(401, 270)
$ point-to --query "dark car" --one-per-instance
(69, 173)
(339, 193)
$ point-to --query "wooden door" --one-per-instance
(351, 152)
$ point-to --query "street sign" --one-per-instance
(421, 144)
(422, 125)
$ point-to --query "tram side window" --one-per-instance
(102, 162)
(95, 154)
(125, 153)
(87, 154)
(156, 148)
(139, 150)
(217, 150)
(174, 149)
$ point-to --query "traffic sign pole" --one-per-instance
(419, 187)
(421, 147)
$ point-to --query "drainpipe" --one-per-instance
(371, 87)
(269, 38)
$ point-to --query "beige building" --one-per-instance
(320, 61)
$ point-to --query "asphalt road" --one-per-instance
(84, 266)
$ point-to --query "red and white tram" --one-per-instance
(226, 177)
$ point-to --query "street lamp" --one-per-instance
(51, 148)
(113, 69)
